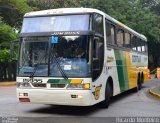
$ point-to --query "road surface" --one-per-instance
(128, 104)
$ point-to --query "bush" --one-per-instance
(5, 56)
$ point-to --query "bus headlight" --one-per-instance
(78, 86)
(23, 85)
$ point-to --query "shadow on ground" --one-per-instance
(79, 111)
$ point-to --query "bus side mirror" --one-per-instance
(12, 48)
(96, 39)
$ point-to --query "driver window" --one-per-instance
(98, 57)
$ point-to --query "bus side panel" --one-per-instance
(132, 71)
(122, 69)
(112, 70)
(128, 66)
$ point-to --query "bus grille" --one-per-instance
(39, 85)
(58, 85)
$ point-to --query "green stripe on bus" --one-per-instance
(59, 81)
(122, 70)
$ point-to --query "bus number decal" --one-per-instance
(32, 80)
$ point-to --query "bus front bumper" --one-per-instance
(56, 97)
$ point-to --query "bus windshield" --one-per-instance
(34, 56)
(49, 56)
(56, 23)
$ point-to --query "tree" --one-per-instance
(141, 15)
(52, 4)
(12, 11)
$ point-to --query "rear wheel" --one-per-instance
(139, 82)
(142, 79)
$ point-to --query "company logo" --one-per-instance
(66, 33)
(96, 93)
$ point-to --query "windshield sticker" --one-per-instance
(54, 39)
(67, 67)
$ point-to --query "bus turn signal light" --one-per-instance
(76, 81)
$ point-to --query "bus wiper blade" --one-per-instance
(36, 67)
(59, 68)
(53, 57)
(32, 74)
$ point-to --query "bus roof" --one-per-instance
(82, 10)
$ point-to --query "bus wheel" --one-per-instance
(142, 79)
(139, 82)
(106, 102)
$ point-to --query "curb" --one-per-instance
(7, 83)
(154, 93)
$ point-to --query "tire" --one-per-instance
(108, 94)
(142, 79)
(139, 83)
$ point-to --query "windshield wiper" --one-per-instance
(35, 69)
(53, 57)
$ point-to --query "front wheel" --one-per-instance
(106, 102)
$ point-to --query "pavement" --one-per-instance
(155, 91)
(7, 83)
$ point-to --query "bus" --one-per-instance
(78, 57)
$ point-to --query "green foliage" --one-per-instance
(135, 14)
(6, 35)
(141, 15)
(4, 55)
(21, 5)
(52, 4)
(12, 11)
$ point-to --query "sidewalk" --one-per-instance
(155, 91)
(7, 83)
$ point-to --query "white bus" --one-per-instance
(78, 57)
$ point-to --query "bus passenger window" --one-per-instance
(139, 44)
(127, 42)
(133, 42)
(144, 46)
(120, 37)
(110, 33)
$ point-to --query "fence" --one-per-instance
(8, 71)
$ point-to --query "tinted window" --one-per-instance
(98, 57)
(133, 42)
(71, 53)
(144, 46)
(56, 23)
(98, 23)
(34, 56)
(139, 45)
(127, 42)
(110, 33)
(120, 37)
